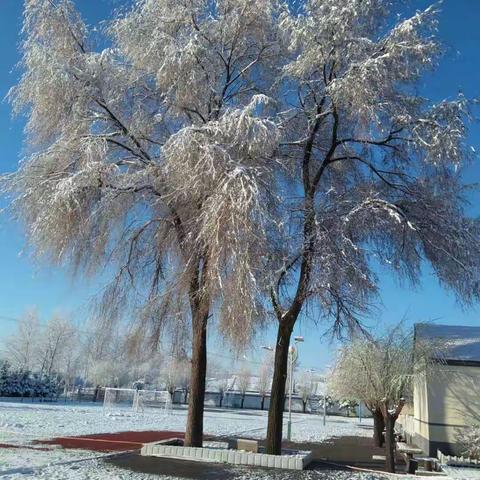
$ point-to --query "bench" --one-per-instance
(243, 444)
(402, 447)
(408, 452)
(428, 463)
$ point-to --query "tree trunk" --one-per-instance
(95, 394)
(304, 407)
(389, 443)
(378, 427)
(263, 402)
(221, 400)
(242, 401)
(277, 397)
(194, 431)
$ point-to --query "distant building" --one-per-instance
(448, 399)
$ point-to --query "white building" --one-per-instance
(447, 399)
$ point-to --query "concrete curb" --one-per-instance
(296, 461)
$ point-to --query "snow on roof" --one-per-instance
(461, 342)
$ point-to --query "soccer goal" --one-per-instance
(130, 400)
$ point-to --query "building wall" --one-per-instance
(445, 401)
(421, 411)
(454, 403)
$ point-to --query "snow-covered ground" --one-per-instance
(21, 423)
(38, 421)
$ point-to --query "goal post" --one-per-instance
(152, 399)
(126, 400)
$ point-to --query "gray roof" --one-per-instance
(461, 343)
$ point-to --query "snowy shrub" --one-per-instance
(468, 440)
(349, 406)
(22, 383)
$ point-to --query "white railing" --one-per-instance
(457, 461)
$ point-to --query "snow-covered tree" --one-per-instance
(264, 379)
(175, 374)
(219, 150)
(306, 388)
(55, 346)
(21, 348)
(381, 371)
(223, 385)
(148, 156)
(111, 372)
(244, 379)
(47, 349)
(220, 376)
(372, 171)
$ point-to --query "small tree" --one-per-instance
(305, 389)
(22, 347)
(221, 377)
(264, 380)
(175, 374)
(244, 380)
(55, 347)
(380, 372)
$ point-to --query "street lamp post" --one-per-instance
(293, 356)
(324, 409)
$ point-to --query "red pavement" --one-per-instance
(112, 442)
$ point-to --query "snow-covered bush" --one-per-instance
(349, 406)
(468, 440)
(22, 383)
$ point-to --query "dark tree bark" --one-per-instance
(390, 417)
(194, 431)
(389, 444)
(221, 400)
(378, 427)
(287, 319)
(262, 404)
(277, 397)
(242, 401)
(304, 406)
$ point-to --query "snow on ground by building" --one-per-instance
(462, 473)
(21, 423)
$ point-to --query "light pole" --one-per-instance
(293, 356)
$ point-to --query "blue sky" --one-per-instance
(25, 283)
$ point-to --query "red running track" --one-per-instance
(112, 442)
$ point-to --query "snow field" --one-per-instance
(21, 423)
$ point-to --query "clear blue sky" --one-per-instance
(24, 283)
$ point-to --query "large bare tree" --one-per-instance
(372, 171)
(146, 158)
